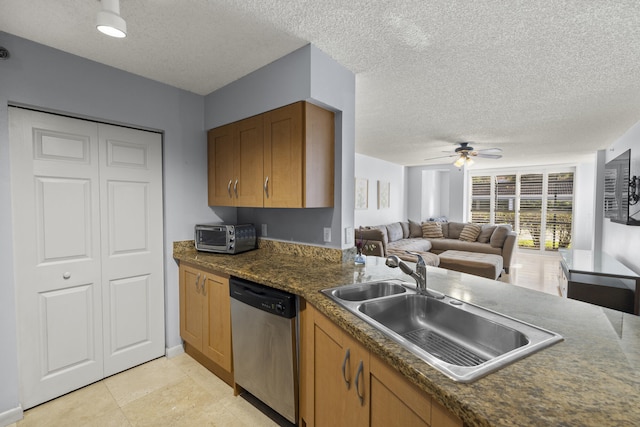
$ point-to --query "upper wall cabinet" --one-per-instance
(283, 158)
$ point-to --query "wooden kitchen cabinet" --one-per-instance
(299, 157)
(388, 398)
(338, 374)
(205, 319)
(235, 156)
(282, 158)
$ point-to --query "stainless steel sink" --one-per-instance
(464, 341)
(368, 291)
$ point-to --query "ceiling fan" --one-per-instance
(465, 152)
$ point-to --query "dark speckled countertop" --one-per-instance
(592, 378)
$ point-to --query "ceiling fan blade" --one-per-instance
(489, 156)
(442, 157)
(490, 150)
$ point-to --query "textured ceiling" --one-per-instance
(546, 81)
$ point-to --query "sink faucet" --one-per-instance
(420, 275)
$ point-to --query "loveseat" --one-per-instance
(432, 237)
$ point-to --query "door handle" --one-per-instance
(235, 188)
(266, 187)
(229, 187)
(358, 374)
(347, 356)
(203, 286)
(197, 281)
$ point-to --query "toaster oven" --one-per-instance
(225, 238)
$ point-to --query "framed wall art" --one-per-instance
(383, 194)
(362, 193)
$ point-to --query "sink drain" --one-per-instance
(443, 348)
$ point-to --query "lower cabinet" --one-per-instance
(342, 384)
(205, 319)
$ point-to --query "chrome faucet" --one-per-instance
(419, 275)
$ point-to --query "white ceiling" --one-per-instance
(546, 81)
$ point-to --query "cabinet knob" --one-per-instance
(66, 275)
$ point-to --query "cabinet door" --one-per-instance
(217, 322)
(248, 158)
(221, 158)
(191, 306)
(283, 157)
(394, 401)
(339, 363)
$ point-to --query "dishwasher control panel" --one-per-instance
(274, 301)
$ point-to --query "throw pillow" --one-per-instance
(394, 231)
(499, 236)
(455, 228)
(485, 234)
(405, 230)
(415, 229)
(470, 232)
(431, 230)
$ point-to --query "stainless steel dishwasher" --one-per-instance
(265, 359)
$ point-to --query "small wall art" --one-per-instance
(362, 193)
(383, 194)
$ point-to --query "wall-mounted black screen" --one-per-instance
(616, 188)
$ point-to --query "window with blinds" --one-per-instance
(539, 206)
(505, 196)
(481, 199)
(559, 210)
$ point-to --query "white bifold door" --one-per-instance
(88, 250)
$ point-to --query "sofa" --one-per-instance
(431, 238)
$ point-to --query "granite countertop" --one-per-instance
(590, 378)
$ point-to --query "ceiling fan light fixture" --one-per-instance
(459, 162)
(109, 21)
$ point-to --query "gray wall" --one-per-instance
(52, 80)
(306, 74)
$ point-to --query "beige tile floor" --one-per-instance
(181, 392)
(163, 392)
(533, 270)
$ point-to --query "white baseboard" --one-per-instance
(11, 416)
(174, 351)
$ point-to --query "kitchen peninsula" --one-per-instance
(591, 378)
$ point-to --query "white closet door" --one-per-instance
(88, 245)
(55, 199)
(132, 259)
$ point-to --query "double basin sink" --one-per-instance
(462, 340)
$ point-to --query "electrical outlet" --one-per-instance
(264, 230)
(348, 235)
(327, 234)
